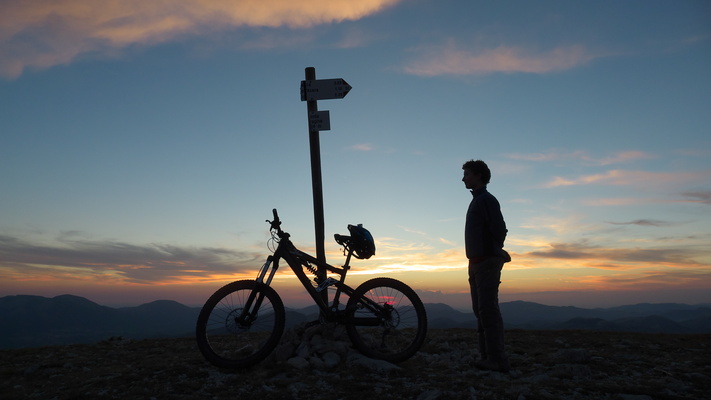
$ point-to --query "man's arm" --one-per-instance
(497, 225)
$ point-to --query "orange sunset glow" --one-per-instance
(144, 144)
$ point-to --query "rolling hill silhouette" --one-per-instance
(31, 321)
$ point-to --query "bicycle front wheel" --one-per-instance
(240, 324)
(386, 320)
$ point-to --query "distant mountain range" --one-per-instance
(32, 321)
(645, 317)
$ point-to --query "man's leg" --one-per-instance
(487, 277)
(481, 339)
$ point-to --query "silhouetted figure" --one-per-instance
(484, 236)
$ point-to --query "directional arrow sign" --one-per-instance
(324, 89)
(320, 121)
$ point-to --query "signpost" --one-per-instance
(313, 90)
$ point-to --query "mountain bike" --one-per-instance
(242, 322)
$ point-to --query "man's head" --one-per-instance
(476, 174)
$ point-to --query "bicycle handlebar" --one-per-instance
(276, 223)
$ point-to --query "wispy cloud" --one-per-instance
(652, 279)
(153, 263)
(447, 242)
(555, 155)
(451, 59)
(602, 257)
(44, 33)
(404, 253)
(560, 225)
(621, 201)
(698, 196)
(411, 230)
(646, 222)
(618, 177)
(623, 157)
(362, 147)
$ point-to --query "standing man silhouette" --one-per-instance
(484, 236)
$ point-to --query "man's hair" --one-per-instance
(479, 167)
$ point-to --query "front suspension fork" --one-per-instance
(254, 301)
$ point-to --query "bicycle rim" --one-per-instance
(229, 340)
(394, 330)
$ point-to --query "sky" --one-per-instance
(143, 145)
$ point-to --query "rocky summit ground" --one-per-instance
(314, 364)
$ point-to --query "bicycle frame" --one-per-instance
(300, 261)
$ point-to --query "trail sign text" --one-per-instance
(324, 89)
(319, 121)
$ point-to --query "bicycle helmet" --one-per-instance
(361, 241)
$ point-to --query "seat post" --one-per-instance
(347, 265)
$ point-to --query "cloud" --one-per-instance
(618, 177)
(157, 264)
(585, 265)
(411, 230)
(44, 33)
(550, 155)
(703, 197)
(154, 263)
(654, 279)
(688, 197)
(448, 242)
(362, 147)
(621, 201)
(581, 156)
(404, 253)
(623, 157)
(561, 225)
(452, 60)
(618, 258)
(645, 222)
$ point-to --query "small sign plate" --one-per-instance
(320, 121)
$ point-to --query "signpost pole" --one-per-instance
(313, 90)
(315, 146)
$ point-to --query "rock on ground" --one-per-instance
(320, 363)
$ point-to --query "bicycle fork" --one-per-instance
(266, 268)
(254, 301)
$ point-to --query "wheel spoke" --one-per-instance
(228, 339)
(386, 320)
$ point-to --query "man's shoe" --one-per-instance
(492, 365)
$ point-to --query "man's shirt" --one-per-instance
(485, 229)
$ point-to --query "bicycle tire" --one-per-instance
(227, 343)
(397, 331)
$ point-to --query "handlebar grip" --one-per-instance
(275, 222)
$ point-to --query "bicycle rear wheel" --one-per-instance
(240, 324)
(386, 320)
